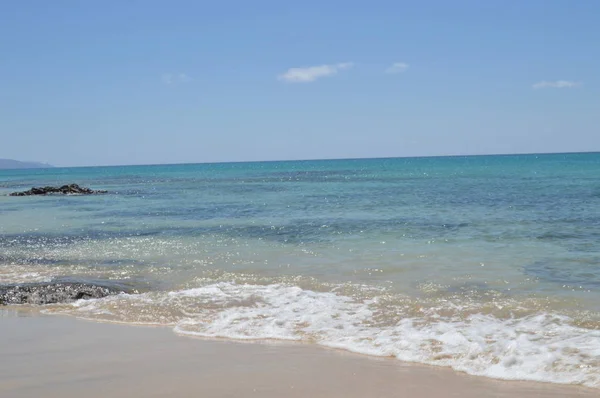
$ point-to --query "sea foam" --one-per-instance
(546, 347)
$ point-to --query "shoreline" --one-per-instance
(59, 356)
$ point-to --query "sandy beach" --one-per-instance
(299, 199)
(46, 356)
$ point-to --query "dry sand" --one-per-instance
(63, 357)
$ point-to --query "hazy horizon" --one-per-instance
(310, 160)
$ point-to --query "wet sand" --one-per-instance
(55, 357)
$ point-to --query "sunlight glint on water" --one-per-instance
(488, 264)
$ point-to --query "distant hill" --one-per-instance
(15, 164)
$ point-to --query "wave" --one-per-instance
(508, 342)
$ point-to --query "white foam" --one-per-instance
(18, 276)
(541, 347)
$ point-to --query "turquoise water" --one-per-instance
(487, 264)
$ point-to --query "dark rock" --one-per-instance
(53, 292)
(71, 189)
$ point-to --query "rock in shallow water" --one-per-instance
(52, 293)
(71, 189)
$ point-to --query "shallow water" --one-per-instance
(487, 264)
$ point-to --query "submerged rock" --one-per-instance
(71, 189)
(53, 292)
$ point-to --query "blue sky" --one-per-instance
(138, 82)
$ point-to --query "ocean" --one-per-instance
(489, 265)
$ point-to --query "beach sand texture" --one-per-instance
(56, 357)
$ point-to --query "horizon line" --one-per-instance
(314, 160)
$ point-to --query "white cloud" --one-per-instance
(397, 67)
(174, 78)
(312, 73)
(556, 84)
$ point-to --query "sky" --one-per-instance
(190, 81)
